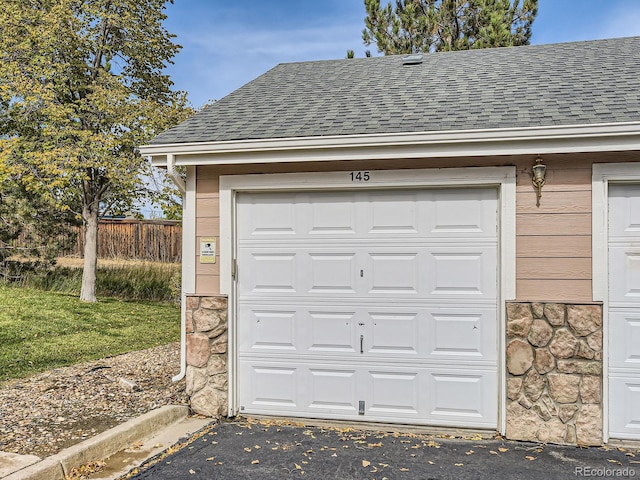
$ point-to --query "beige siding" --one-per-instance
(207, 225)
(553, 242)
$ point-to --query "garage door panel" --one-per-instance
(333, 215)
(625, 336)
(332, 331)
(394, 213)
(463, 334)
(393, 333)
(272, 215)
(460, 272)
(270, 385)
(626, 421)
(392, 273)
(394, 393)
(422, 334)
(458, 395)
(267, 329)
(271, 272)
(624, 211)
(625, 285)
(471, 213)
(333, 272)
(333, 389)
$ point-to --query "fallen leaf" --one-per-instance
(298, 467)
(256, 446)
(470, 452)
(379, 444)
(404, 469)
(192, 472)
(493, 452)
(502, 449)
(530, 458)
(459, 464)
(431, 463)
(247, 449)
(334, 455)
(366, 463)
(255, 462)
(211, 459)
(614, 461)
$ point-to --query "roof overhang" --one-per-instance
(460, 143)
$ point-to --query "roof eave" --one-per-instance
(460, 143)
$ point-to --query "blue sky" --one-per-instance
(227, 43)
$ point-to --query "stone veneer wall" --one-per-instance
(207, 379)
(554, 373)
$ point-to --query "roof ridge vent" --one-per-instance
(413, 59)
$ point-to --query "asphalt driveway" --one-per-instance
(249, 449)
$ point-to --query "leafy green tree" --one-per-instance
(81, 84)
(415, 26)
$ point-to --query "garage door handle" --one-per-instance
(361, 343)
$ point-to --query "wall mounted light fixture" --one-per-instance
(539, 170)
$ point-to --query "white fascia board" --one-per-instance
(461, 143)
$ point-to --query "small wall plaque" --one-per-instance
(208, 250)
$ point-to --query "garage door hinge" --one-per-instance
(234, 269)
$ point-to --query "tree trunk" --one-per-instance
(90, 221)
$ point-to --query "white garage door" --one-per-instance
(624, 311)
(369, 305)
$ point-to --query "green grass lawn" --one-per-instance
(41, 330)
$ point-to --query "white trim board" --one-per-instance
(504, 178)
(455, 143)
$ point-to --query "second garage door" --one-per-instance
(624, 311)
(370, 305)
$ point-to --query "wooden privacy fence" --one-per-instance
(153, 240)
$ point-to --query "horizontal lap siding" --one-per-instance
(207, 225)
(553, 243)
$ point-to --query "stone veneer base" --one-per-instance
(207, 374)
(554, 373)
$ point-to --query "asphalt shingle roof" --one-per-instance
(540, 85)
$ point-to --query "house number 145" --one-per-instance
(360, 176)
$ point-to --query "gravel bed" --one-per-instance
(50, 411)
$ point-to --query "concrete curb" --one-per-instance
(103, 445)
